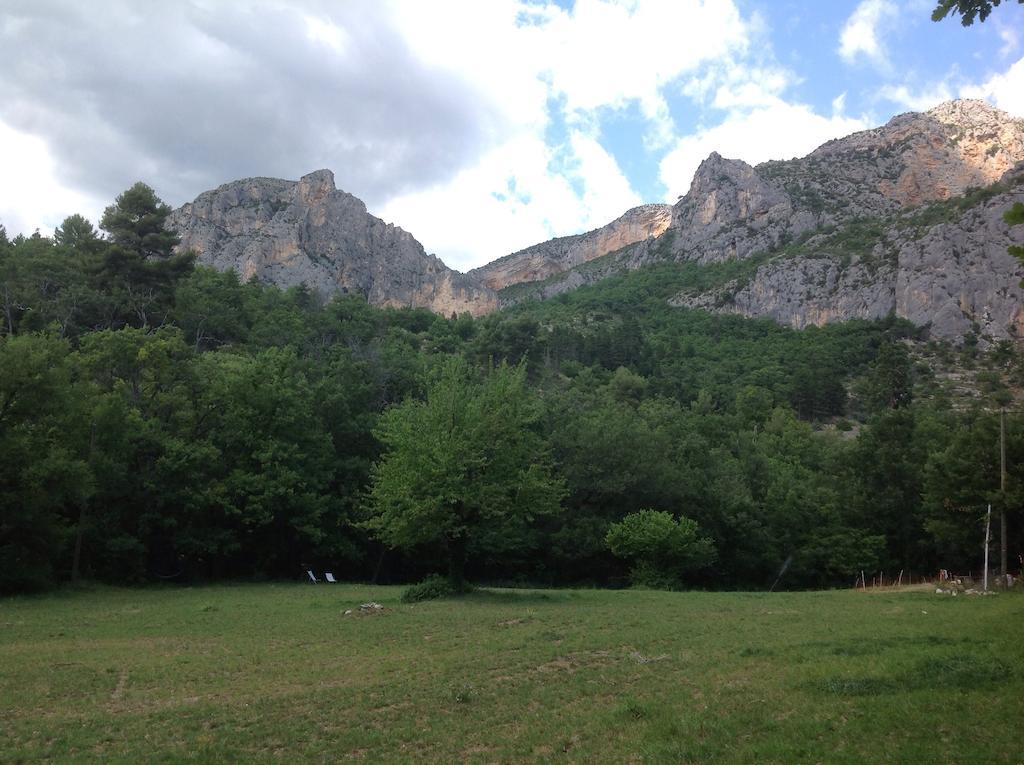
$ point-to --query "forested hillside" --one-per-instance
(160, 421)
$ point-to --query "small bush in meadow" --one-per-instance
(433, 587)
(462, 693)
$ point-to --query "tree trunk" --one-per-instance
(77, 558)
(1002, 544)
(457, 563)
(8, 312)
(380, 561)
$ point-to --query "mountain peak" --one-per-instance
(319, 178)
(716, 169)
(308, 232)
(967, 111)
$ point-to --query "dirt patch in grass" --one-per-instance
(577, 661)
(515, 622)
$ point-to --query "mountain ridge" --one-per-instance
(736, 212)
(544, 259)
(308, 232)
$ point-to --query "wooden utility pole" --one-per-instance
(1002, 493)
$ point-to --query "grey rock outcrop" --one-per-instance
(558, 255)
(960, 278)
(955, 278)
(913, 159)
(735, 211)
(804, 291)
(309, 233)
(732, 212)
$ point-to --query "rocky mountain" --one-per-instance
(889, 220)
(557, 255)
(954, 277)
(308, 232)
(903, 219)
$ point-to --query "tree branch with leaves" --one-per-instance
(968, 10)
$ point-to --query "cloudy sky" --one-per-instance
(481, 127)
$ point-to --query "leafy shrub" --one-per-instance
(636, 710)
(433, 587)
(645, 575)
(661, 546)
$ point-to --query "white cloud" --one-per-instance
(326, 32)
(33, 196)
(776, 130)
(862, 33)
(492, 48)
(606, 54)
(917, 100)
(511, 200)
(528, 59)
(423, 110)
(748, 87)
(601, 54)
(746, 76)
(1011, 40)
(1005, 90)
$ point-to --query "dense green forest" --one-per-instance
(161, 421)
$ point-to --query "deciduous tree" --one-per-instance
(464, 462)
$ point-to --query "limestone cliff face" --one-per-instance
(732, 212)
(557, 255)
(804, 221)
(955, 278)
(309, 233)
(918, 158)
(802, 292)
(959, 277)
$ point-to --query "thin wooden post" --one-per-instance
(1002, 493)
(988, 524)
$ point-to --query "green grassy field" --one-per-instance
(277, 673)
